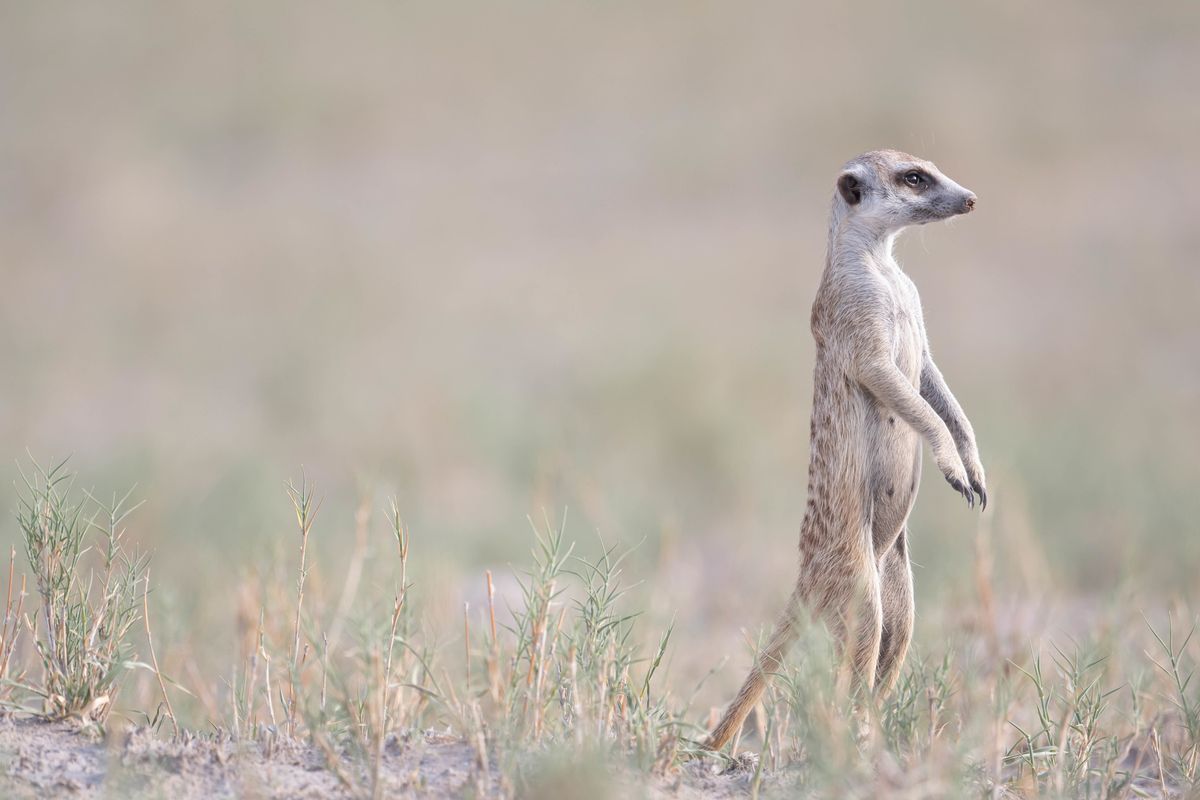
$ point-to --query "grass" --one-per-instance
(90, 594)
(570, 676)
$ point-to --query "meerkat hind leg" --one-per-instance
(896, 593)
(861, 631)
(768, 662)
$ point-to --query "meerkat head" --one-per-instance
(893, 190)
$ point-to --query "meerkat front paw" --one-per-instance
(976, 479)
(962, 487)
(956, 476)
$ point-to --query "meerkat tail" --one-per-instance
(752, 689)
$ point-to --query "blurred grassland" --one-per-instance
(542, 256)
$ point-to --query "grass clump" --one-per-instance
(357, 677)
(1173, 663)
(570, 678)
(1066, 749)
(90, 594)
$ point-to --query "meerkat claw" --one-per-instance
(982, 496)
(963, 489)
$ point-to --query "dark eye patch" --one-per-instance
(915, 178)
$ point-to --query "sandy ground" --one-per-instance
(40, 760)
(44, 760)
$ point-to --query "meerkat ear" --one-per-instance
(850, 188)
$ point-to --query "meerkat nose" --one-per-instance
(969, 203)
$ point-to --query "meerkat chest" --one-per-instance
(908, 326)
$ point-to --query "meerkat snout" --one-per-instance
(969, 203)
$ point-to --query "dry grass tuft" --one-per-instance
(86, 609)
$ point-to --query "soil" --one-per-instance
(42, 760)
(48, 760)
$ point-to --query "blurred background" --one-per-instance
(521, 259)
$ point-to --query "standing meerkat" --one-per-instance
(877, 393)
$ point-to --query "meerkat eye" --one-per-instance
(914, 178)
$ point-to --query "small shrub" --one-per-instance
(81, 626)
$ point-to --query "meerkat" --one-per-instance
(877, 393)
